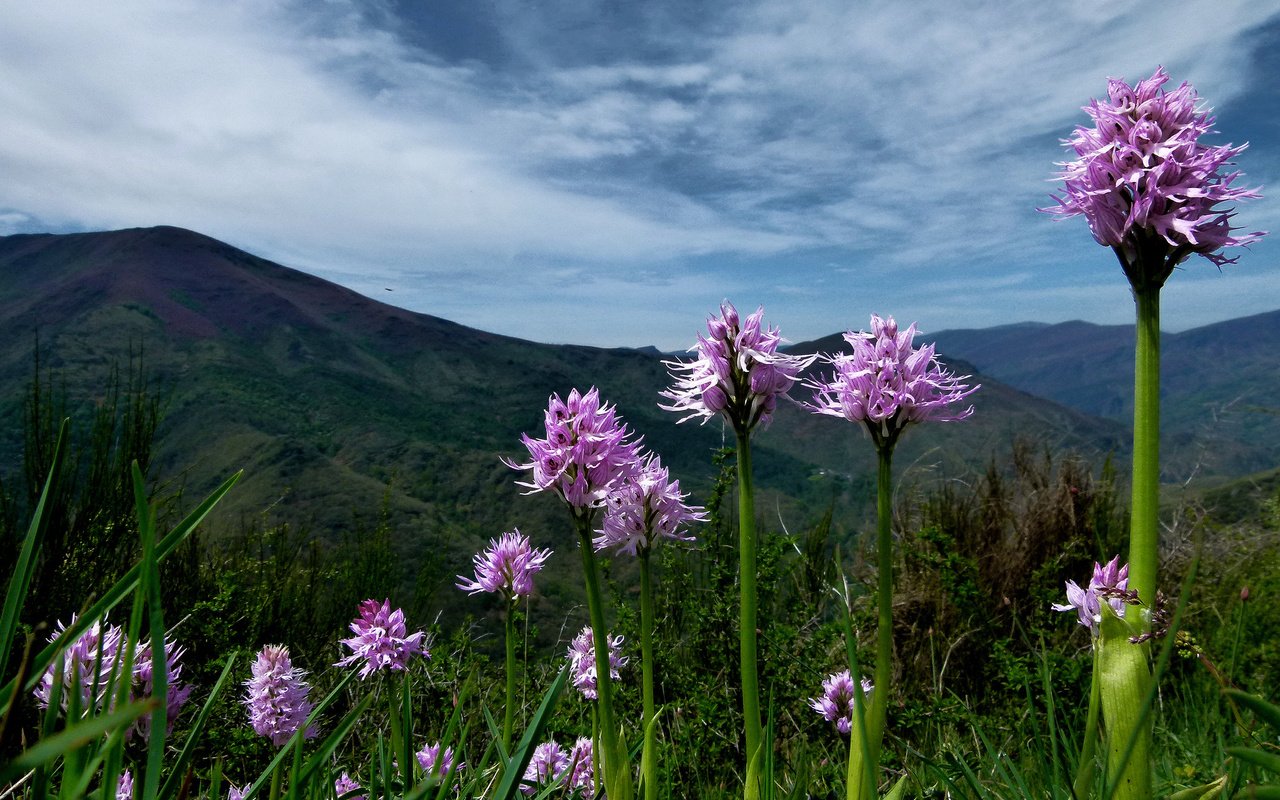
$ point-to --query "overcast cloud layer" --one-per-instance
(606, 173)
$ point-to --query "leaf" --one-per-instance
(515, 766)
(20, 581)
(71, 738)
(1206, 792)
(179, 766)
(1265, 711)
(1259, 758)
(899, 789)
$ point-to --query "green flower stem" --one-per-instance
(649, 755)
(275, 782)
(1126, 676)
(509, 717)
(747, 613)
(1086, 768)
(617, 774)
(861, 775)
(1143, 526)
(884, 604)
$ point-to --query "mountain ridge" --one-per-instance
(336, 403)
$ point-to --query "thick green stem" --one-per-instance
(747, 614)
(509, 718)
(649, 755)
(1125, 678)
(1144, 534)
(617, 774)
(884, 607)
(1126, 674)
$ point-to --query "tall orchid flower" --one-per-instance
(739, 374)
(836, 703)
(276, 696)
(582, 661)
(87, 666)
(381, 641)
(646, 509)
(886, 384)
(1154, 193)
(91, 664)
(587, 454)
(506, 568)
(548, 763)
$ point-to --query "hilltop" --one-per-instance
(335, 403)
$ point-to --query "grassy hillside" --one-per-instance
(334, 403)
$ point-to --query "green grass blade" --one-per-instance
(1259, 758)
(447, 739)
(188, 749)
(514, 768)
(407, 758)
(120, 589)
(496, 732)
(1264, 710)
(150, 589)
(107, 754)
(330, 744)
(20, 581)
(899, 790)
(72, 738)
(1205, 792)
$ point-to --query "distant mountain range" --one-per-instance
(332, 401)
(1220, 384)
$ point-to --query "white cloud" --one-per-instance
(909, 144)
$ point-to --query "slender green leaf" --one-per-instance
(119, 590)
(899, 789)
(330, 744)
(496, 732)
(514, 768)
(20, 580)
(1259, 758)
(1265, 711)
(1206, 792)
(197, 727)
(150, 590)
(72, 738)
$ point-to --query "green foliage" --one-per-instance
(76, 738)
(988, 682)
(92, 533)
(981, 563)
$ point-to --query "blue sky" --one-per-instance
(607, 172)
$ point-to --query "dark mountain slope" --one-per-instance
(333, 402)
(1219, 385)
